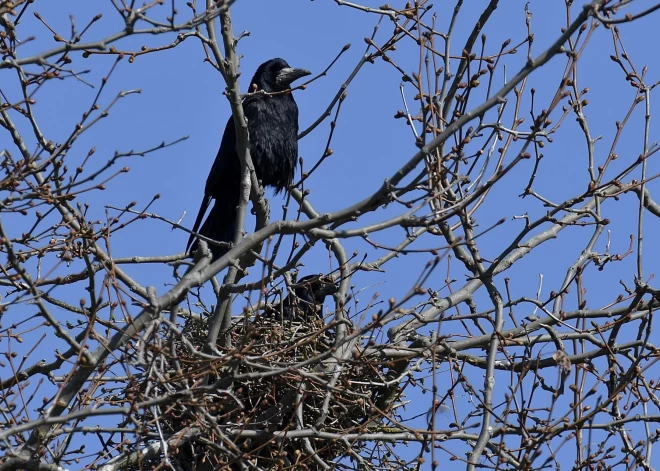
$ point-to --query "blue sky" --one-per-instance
(181, 95)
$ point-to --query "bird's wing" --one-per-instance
(225, 165)
(198, 222)
(219, 182)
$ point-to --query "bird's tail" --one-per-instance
(219, 226)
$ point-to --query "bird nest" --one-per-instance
(247, 405)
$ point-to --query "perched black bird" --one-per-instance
(305, 299)
(273, 135)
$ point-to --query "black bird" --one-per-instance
(273, 134)
(305, 299)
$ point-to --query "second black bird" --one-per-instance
(273, 135)
(305, 299)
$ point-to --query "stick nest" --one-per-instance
(277, 379)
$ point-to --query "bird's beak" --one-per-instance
(326, 289)
(288, 75)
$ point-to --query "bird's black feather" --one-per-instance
(273, 136)
(305, 299)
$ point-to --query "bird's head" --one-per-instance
(275, 75)
(314, 288)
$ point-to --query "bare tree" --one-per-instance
(470, 366)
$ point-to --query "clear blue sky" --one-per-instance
(182, 96)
